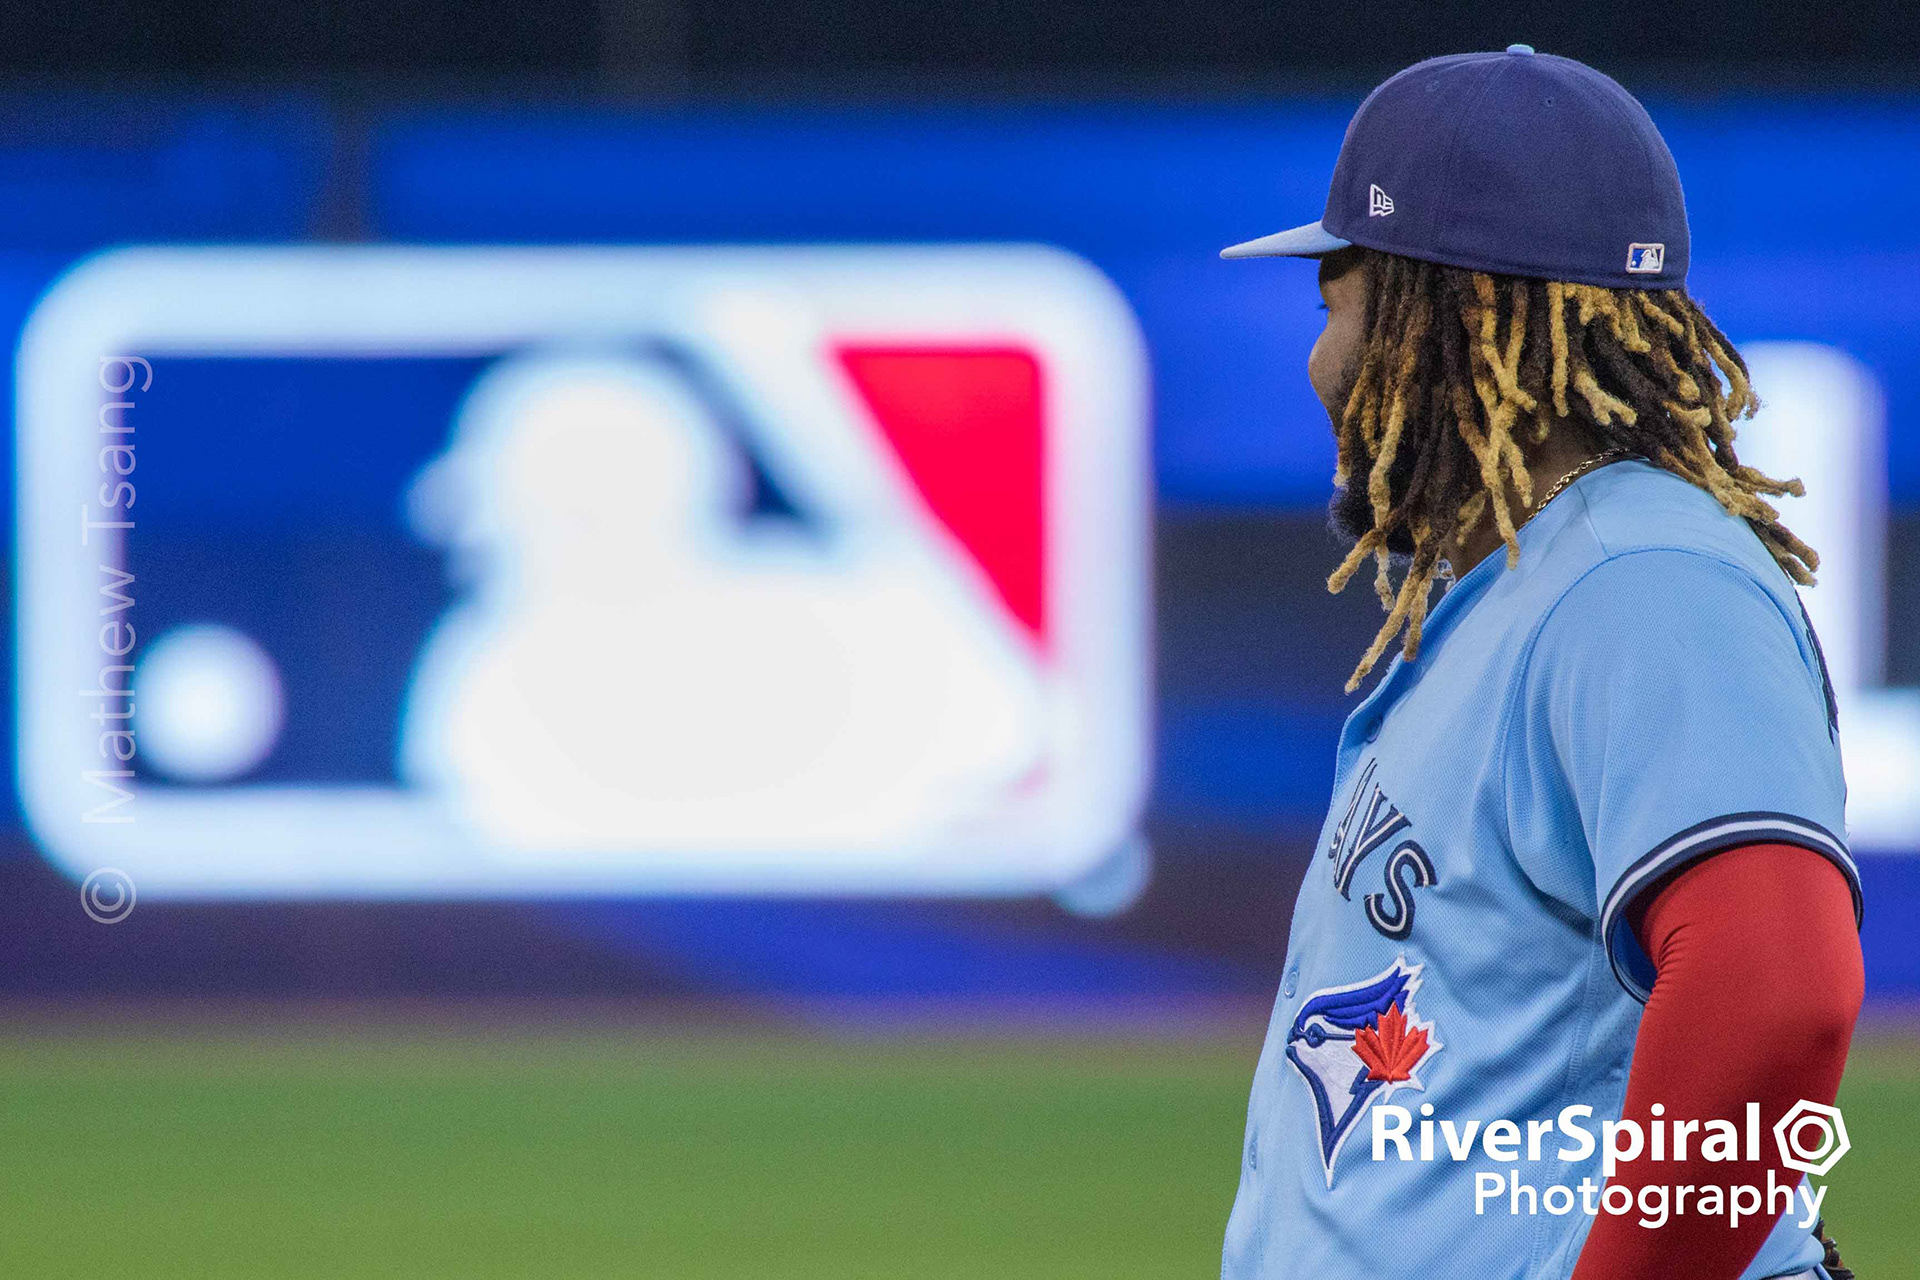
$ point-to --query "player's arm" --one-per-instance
(1759, 980)
(1678, 707)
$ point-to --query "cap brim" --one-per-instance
(1310, 241)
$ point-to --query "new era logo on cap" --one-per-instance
(1646, 259)
(1380, 204)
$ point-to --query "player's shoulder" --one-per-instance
(1634, 565)
(1650, 551)
(1655, 522)
(1636, 506)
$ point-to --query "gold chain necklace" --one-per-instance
(1594, 463)
(1598, 460)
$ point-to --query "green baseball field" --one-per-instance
(296, 1151)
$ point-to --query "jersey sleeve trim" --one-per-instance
(1631, 967)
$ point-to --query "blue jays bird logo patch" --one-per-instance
(1354, 1045)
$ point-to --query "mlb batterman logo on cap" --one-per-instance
(1516, 163)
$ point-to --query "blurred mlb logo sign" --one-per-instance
(944, 691)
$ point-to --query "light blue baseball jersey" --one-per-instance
(1642, 691)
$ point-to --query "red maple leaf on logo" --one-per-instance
(1392, 1051)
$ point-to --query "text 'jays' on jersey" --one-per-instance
(1642, 691)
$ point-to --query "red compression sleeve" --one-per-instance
(1759, 982)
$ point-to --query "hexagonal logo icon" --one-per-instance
(1812, 1137)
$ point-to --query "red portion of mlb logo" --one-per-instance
(968, 425)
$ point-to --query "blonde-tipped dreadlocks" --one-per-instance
(1459, 367)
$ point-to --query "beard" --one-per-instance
(1350, 511)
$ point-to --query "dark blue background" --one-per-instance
(261, 482)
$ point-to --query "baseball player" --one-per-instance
(1584, 866)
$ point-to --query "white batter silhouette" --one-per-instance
(634, 669)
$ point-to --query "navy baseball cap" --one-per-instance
(1518, 163)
